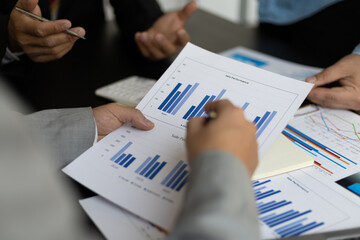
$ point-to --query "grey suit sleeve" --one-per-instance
(219, 203)
(69, 132)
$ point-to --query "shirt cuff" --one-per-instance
(10, 57)
(96, 133)
(357, 49)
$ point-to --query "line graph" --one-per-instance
(332, 137)
(337, 125)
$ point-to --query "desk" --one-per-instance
(105, 57)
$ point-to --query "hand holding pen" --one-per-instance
(227, 130)
(41, 40)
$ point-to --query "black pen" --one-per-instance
(41, 19)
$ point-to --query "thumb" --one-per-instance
(328, 75)
(187, 11)
(28, 5)
(135, 117)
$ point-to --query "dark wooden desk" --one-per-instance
(104, 58)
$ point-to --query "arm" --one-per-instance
(219, 203)
(69, 132)
(216, 209)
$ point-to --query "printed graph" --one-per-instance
(332, 139)
(122, 158)
(198, 110)
(177, 178)
(279, 214)
(150, 167)
(176, 99)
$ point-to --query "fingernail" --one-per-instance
(181, 32)
(312, 79)
(66, 25)
(148, 123)
(159, 38)
(144, 37)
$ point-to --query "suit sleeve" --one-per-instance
(135, 15)
(5, 9)
(69, 132)
(219, 203)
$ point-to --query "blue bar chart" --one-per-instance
(262, 122)
(177, 177)
(198, 110)
(122, 158)
(176, 99)
(150, 167)
(280, 214)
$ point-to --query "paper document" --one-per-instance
(146, 172)
(324, 197)
(116, 223)
(270, 63)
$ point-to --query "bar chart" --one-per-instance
(176, 99)
(198, 110)
(122, 158)
(263, 121)
(150, 167)
(279, 214)
(177, 178)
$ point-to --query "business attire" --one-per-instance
(36, 202)
(220, 201)
(323, 27)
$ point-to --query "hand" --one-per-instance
(347, 73)
(112, 116)
(41, 41)
(230, 132)
(167, 34)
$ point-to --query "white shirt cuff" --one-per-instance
(10, 57)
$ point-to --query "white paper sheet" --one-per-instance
(270, 63)
(146, 172)
(326, 195)
(116, 223)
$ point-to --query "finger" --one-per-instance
(337, 97)
(165, 46)
(28, 5)
(56, 50)
(141, 46)
(328, 75)
(187, 11)
(154, 52)
(44, 29)
(219, 106)
(183, 37)
(135, 117)
(194, 125)
(53, 56)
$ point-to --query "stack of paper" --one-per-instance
(145, 172)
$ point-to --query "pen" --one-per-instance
(36, 17)
(211, 116)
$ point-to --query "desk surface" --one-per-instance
(103, 58)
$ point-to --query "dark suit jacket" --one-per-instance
(131, 15)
